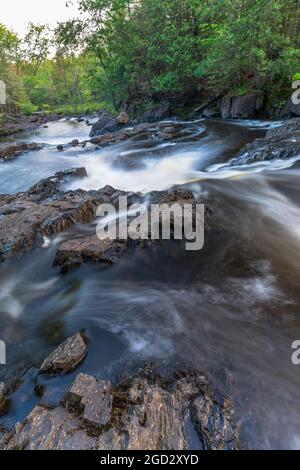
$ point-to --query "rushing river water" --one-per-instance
(231, 309)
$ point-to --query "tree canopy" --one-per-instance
(118, 50)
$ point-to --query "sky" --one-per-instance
(16, 14)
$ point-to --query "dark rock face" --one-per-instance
(67, 356)
(11, 152)
(281, 143)
(293, 108)
(144, 412)
(104, 119)
(241, 106)
(107, 123)
(283, 132)
(159, 112)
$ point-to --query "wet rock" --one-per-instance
(241, 106)
(48, 187)
(10, 152)
(75, 252)
(105, 118)
(213, 422)
(280, 143)
(60, 148)
(145, 412)
(49, 430)
(84, 249)
(287, 130)
(92, 399)
(45, 209)
(74, 143)
(67, 356)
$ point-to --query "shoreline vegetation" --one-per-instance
(234, 59)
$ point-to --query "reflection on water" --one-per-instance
(231, 309)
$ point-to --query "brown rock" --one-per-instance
(145, 412)
(67, 356)
(123, 118)
(11, 152)
(87, 249)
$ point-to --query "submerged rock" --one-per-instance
(143, 412)
(10, 152)
(67, 356)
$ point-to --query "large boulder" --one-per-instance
(104, 119)
(243, 106)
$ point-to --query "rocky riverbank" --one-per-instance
(145, 411)
(21, 123)
(280, 143)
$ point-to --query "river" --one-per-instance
(231, 309)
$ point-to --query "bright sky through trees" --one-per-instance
(16, 14)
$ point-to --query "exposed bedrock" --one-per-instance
(280, 143)
(144, 412)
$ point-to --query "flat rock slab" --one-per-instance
(92, 398)
(67, 356)
(81, 250)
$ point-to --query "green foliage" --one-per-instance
(122, 50)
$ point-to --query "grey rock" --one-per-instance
(92, 399)
(213, 421)
(241, 106)
(67, 356)
(293, 108)
(280, 143)
(157, 113)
